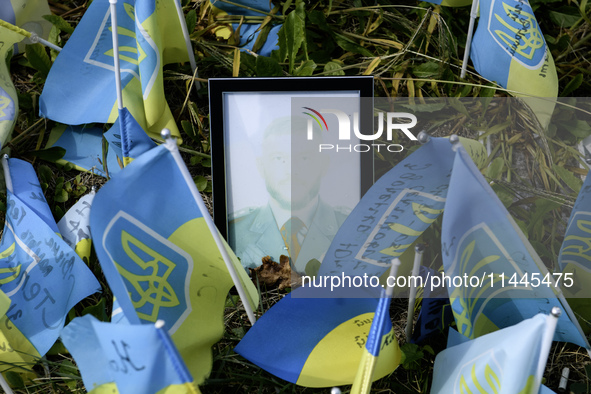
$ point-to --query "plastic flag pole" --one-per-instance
(419, 249)
(171, 145)
(36, 39)
(547, 337)
(113, 6)
(486, 144)
(171, 349)
(5, 385)
(7, 177)
(190, 52)
(563, 379)
(3, 382)
(362, 382)
(32, 36)
(473, 15)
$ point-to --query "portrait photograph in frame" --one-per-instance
(251, 122)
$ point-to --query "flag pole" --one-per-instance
(473, 15)
(113, 5)
(36, 39)
(7, 177)
(547, 338)
(4, 385)
(419, 249)
(363, 379)
(171, 146)
(30, 35)
(172, 351)
(188, 44)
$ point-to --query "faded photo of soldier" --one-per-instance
(295, 222)
(298, 212)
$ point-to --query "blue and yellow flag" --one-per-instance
(450, 3)
(395, 211)
(455, 338)
(249, 32)
(8, 97)
(80, 87)
(22, 182)
(84, 149)
(117, 315)
(159, 257)
(435, 314)
(496, 279)
(40, 273)
(574, 258)
(380, 325)
(126, 359)
(503, 362)
(318, 342)
(509, 48)
(4, 303)
(127, 138)
(84, 145)
(576, 250)
(74, 226)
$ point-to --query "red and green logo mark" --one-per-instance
(316, 118)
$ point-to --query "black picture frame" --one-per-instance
(222, 88)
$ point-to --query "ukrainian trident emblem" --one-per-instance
(517, 32)
(155, 271)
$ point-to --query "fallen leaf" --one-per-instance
(272, 274)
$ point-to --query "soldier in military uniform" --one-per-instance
(295, 222)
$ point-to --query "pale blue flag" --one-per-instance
(25, 185)
(135, 358)
(41, 274)
(127, 138)
(249, 31)
(117, 315)
(576, 247)
(503, 281)
(574, 258)
(508, 47)
(28, 15)
(503, 362)
(84, 149)
(80, 87)
(84, 144)
(450, 3)
(395, 211)
(159, 256)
